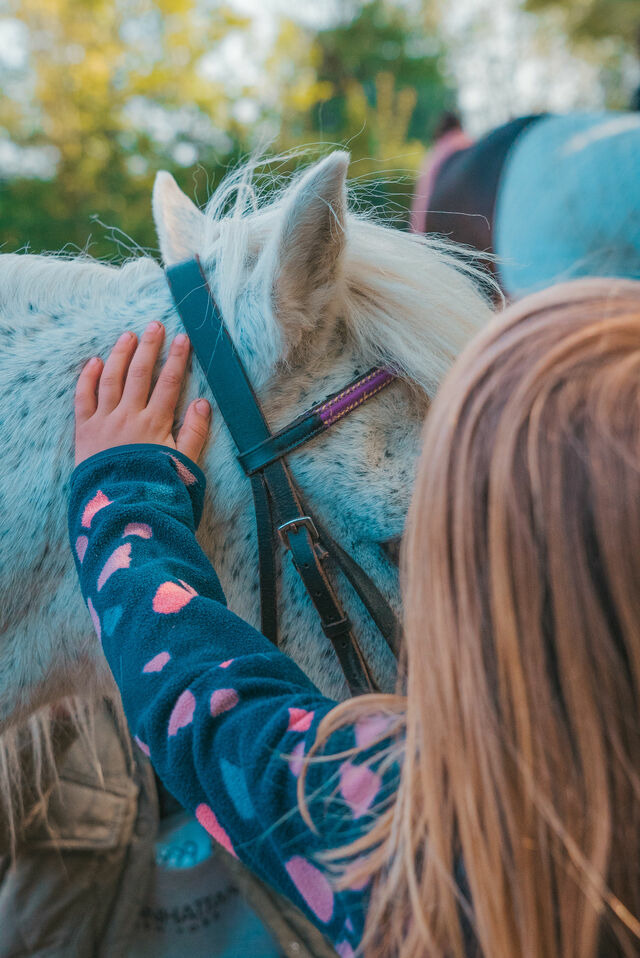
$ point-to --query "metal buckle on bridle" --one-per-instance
(293, 525)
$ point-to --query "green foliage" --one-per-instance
(380, 88)
(605, 32)
(382, 39)
(114, 90)
(109, 223)
(588, 20)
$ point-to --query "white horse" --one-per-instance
(311, 294)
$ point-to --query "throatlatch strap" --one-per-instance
(368, 592)
(309, 557)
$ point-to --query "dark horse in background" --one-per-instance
(552, 197)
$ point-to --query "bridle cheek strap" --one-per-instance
(278, 506)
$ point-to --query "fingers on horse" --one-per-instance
(167, 389)
(138, 382)
(115, 371)
(86, 399)
(195, 429)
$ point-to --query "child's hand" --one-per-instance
(113, 406)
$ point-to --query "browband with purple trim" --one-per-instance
(354, 395)
(315, 420)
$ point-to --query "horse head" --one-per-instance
(312, 294)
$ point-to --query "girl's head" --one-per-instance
(521, 776)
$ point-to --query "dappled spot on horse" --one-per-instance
(391, 549)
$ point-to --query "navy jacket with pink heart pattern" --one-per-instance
(225, 718)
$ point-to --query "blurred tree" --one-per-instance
(382, 38)
(607, 32)
(110, 92)
(377, 83)
(595, 19)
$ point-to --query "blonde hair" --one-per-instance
(516, 827)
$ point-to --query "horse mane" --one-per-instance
(407, 300)
(44, 283)
(410, 301)
(28, 769)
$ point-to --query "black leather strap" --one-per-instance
(315, 420)
(267, 567)
(309, 557)
(281, 443)
(368, 592)
(214, 348)
(238, 405)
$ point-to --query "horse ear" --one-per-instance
(179, 222)
(311, 242)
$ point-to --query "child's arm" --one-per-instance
(225, 717)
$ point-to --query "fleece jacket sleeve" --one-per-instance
(225, 718)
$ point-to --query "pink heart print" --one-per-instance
(171, 597)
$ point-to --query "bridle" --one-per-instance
(278, 505)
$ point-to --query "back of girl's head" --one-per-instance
(522, 574)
